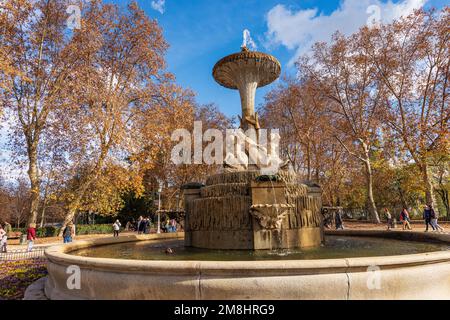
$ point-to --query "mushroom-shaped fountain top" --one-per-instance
(246, 71)
(263, 67)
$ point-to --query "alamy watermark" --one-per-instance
(74, 11)
(374, 278)
(237, 148)
(74, 280)
(374, 19)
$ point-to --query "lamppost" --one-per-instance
(159, 208)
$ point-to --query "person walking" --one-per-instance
(434, 220)
(388, 216)
(68, 233)
(338, 220)
(427, 216)
(173, 224)
(31, 236)
(8, 228)
(140, 225)
(3, 240)
(116, 228)
(404, 217)
(167, 225)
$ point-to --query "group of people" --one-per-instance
(170, 225)
(431, 218)
(429, 215)
(143, 225)
(68, 234)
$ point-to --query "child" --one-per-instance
(3, 239)
(116, 227)
(31, 236)
(68, 233)
(388, 218)
(404, 216)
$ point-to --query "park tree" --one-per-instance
(299, 112)
(118, 78)
(412, 60)
(440, 163)
(105, 195)
(343, 73)
(20, 194)
(40, 55)
(172, 108)
(10, 12)
(5, 213)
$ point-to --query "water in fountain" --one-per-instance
(335, 247)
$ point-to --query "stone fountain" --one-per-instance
(241, 208)
(244, 209)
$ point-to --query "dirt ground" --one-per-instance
(415, 225)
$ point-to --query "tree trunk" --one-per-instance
(75, 204)
(43, 215)
(429, 188)
(370, 198)
(308, 156)
(373, 213)
(34, 182)
(402, 196)
(443, 193)
(68, 218)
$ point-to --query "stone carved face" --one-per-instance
(270, 217)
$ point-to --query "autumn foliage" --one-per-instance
(368, 115)
(91, 111)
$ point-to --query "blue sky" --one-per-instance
(200, 32)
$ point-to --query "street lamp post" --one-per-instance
(159, 209)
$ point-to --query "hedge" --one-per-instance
(46, 232)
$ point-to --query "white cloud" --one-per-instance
(299, 30)
(159, 5)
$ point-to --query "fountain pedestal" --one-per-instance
(236, 211)
(276, 222)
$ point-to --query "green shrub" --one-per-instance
(51, 231)
(94, 229)
(46, 232)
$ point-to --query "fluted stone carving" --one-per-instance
(235, 207)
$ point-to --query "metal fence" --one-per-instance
(16, 255)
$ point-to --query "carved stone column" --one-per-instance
(191, 191)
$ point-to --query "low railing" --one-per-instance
(24, 254)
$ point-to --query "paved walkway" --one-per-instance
(416, 226)
(43, 243)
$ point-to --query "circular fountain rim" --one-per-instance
(246, 55)
(61, 255)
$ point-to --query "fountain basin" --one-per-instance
(414, 276)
